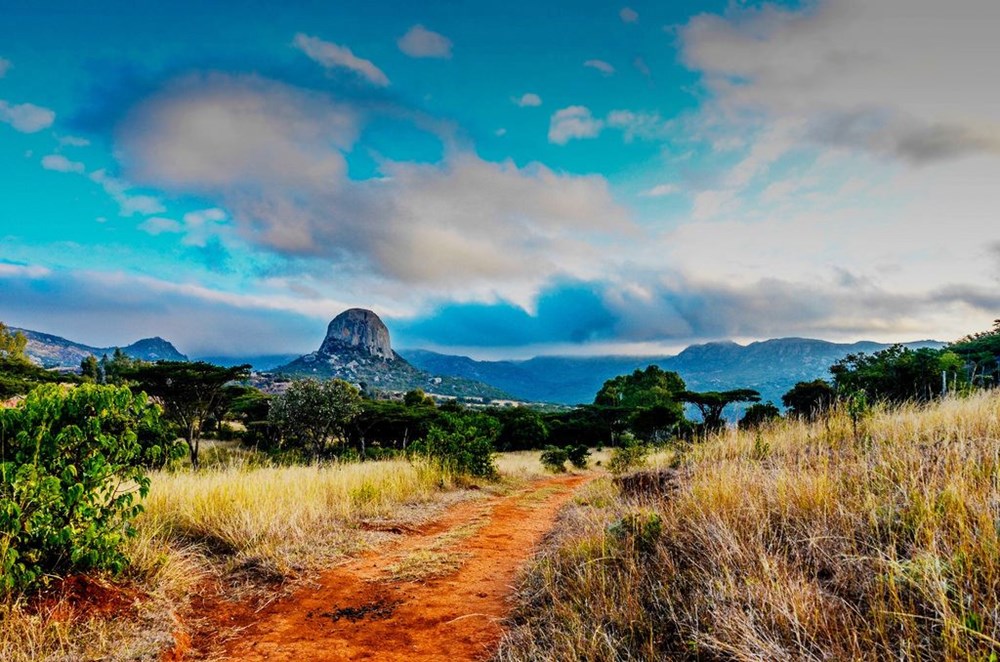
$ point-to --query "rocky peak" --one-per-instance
(358, 330)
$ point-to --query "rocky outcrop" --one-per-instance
(358, 329)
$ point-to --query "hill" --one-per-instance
(51, 351)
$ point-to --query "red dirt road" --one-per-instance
(438, 594)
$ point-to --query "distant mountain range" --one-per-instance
(51, 351)
(771, 367)
(357, 349)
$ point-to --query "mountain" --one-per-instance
(357, 349)
(51, 351)
(771, 367)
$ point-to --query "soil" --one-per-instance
(439, 593)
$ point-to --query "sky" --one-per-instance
(499, 179)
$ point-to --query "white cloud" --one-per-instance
(159, 225)
(573, 122)
(866, 75)
(26, 117)
(643, 125)
(272, 156)
(500, 133)
(628, 15)
(421, 42)
(601, 66)
(128, 204)
(527, 100)
(60, 163)
(5, 66)
(331, 56)
(661, 190)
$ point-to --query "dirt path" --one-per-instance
(438, 594)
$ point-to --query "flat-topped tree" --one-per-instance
(189, 392)
(712, 403)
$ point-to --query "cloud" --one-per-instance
(661, 190)
(5, 66)
(640, 65)
(858, 75)
(73, 141)
(573, 122)
(128, 204)
(272, 156)
(643, 125)
(158, 225)
(421, 42)
(628, 15)
(332, 56)
(26, 117)
(60, 163)
(527, 100)
(601, 66)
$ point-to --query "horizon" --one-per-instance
(534, 179)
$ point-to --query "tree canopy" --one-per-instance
(712, 403)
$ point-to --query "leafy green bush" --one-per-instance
(554, 459)
(463, 444)
(578, 455)
(641, 530)
(71, 464)
(631, 454)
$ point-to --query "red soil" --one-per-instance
(359, 611)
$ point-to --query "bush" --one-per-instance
(578, 456)
(631, 454)
(462, 445)
(71, 465)
(554, 459)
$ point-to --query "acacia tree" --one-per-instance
(810, 400)
(189, 392)
(12, 345)
(712, 403)
(311, 413)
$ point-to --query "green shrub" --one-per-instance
(578, 456)
(640, 530)
(462, 445)
(631, 454)
(71, 464)
(554, 459)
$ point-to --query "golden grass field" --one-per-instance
(245, 525)
(798, 542)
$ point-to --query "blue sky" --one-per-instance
(500, 179)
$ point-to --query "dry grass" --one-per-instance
(247, 526)
(797, 542)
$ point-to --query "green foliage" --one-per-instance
(417, 398)
(981, 354)
(810, 400)
(578, 456)
(12, 345)
(759, 414)
(90, 369)
(631, 454)
(71, 465)
(311, 415)
(462, 444)
(17, 377)
(521, 428)
(554, 459)
(647, 402)
(897, 374)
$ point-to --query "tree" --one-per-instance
(90, 368)
(311, 413)
(759, 414)
(897, 374)
(463, 444)
(12, 345)
(645, 402)
(810, 400)
(981, 354)
(417, 398)
(521, 428)
(189, 392)
(712, 403)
